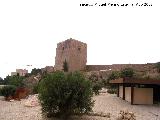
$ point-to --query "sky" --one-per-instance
(31, 29)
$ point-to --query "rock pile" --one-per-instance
(32, 101)
(126, 115)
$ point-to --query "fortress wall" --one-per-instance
(74, 52)
(117, 67)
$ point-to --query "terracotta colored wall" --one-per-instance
(143, 96)
(128, 94)
(75, 53)
(121, 91)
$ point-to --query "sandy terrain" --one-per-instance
(105, 103)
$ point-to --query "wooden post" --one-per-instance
(123, 92)
(132, 94)
(118, 91)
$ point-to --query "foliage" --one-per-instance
(127, 72)
(8, 90)
(97, 84)
(114, 75)
(1, 81)
(157, 66)
(65, 66)
(35, 71)
(62, 95)
(111, 88)
(14, 80)
(35, 88)
(96, 87)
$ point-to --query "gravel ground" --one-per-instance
(105, 103)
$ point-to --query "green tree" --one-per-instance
(127, 72)
(35, 71)
(96, 83)
(1, 81)
(65, 66)
(62, 95)
(113, 75)
(111, 87)
(7, 91)
(14, 80)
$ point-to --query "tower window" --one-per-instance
(63, 48)
(79, 48)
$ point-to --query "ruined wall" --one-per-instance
(48, 69)
(74, 52)
(22, 72)
(117, 67)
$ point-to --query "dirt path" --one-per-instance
(105, 103)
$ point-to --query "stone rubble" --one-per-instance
(126, 115)
(32, 101)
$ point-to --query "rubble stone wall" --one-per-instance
(117, 67)
(74, 52)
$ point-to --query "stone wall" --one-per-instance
(74, 52)
(21, 72)
(48, 69)
(117, 67)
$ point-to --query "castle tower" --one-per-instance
(73, 52)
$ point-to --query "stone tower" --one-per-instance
(73, 52)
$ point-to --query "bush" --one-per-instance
(7, 91)
(97, 84)
(15, 80)
(96, 87)
(113, 75)
(62, 95)
(35, 88)
(127, 72)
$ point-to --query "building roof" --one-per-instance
(135, 81)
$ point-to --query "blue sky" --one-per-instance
(30, 30)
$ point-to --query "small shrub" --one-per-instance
(127, 72)
(96, 87)
(7, 91)
(62, 95)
